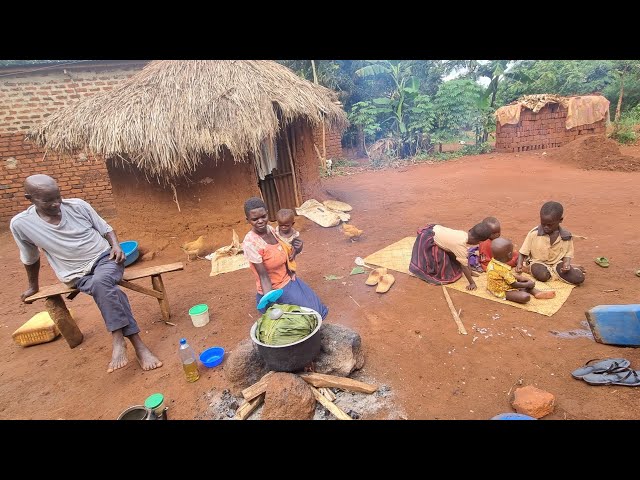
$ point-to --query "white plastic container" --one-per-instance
(199, 315)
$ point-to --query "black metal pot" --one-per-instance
(293, 357)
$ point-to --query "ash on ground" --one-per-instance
(222, 405)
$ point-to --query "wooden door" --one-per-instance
(279, 188)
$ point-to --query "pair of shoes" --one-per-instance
(612, 371)
(600, 367)
(381, 278)
(602, 261)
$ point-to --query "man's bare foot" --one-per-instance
(544, 294)
(119, 356)
(147, 360)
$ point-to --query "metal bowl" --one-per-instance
(294, 356)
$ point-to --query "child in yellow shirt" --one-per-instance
(504, 284)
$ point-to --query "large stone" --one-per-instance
(288, 397)
(244, 366)
(340, 351)
(533, 402)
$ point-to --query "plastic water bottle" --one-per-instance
(189, 361)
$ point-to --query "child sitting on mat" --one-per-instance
(504, 284)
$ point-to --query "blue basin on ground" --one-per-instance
(130, 249)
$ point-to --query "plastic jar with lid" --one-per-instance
(155, 403)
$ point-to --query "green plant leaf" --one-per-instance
(332, 277)
(357, 270)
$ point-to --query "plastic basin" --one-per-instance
(130, 249)
(212, 357)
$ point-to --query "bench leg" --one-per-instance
(156, 281)
(62, 318)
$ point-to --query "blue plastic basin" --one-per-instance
(130, 249)
(212, 357)
(512, 416)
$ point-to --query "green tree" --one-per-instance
(459, 105)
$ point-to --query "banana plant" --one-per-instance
(394, 111)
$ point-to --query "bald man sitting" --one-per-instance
(84, 253)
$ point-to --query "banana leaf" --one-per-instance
(288, 328)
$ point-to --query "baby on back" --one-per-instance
(288, 235)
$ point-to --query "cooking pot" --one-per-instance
(294, 356)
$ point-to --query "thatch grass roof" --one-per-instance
(167, 116)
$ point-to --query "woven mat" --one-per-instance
(398, 255)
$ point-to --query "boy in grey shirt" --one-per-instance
(84, 253)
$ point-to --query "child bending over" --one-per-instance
(484, 247)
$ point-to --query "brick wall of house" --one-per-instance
(543, 130)
(333, 142)
(28, 98)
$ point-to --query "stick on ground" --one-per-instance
(461, 328)
(332, 407)
(321, 380)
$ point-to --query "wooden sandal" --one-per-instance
(375, 276)
(385, 282)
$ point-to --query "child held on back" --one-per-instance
(502, 283)
(288, 235)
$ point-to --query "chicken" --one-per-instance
(194, 247)
(351, 232)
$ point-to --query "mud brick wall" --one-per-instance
(80, 176)
(542, 130)
(28, 96)
(333, 142)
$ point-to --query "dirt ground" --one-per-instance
(409, 338)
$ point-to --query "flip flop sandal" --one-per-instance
(375, 276)
(630, 379)
(605, 378)
(637, 273)
(385, 282)
(602, 261)
(622, 376)
(600, 367)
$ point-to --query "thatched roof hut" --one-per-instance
(172, 114)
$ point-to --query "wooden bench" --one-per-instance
(67, 325)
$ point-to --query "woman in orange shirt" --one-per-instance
(268, 261)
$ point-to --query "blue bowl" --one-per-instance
(512, 416)
(270, 297)
(212, 357)
(130, 249)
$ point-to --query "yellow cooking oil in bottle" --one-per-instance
(189, 361)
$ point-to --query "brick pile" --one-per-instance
(542, 130)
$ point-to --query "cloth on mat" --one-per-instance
(321, 214)
(398, 255)
(544, 307)
(229, 258)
